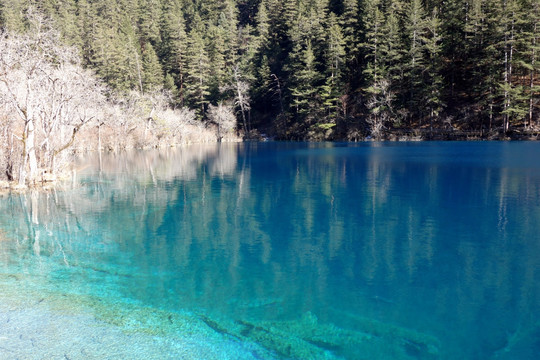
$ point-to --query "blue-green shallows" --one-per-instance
(280, 251)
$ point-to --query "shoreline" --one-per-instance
(50, 182)
(441, 134)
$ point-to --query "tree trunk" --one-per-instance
(531, 83)
(29, 155)
(241, 100)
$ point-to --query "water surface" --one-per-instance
(295, 250)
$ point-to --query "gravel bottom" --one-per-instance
(37, 331)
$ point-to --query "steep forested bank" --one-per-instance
(315, 68)
(307, 68)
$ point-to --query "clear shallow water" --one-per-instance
(296, 251)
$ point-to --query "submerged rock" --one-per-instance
(308, 338)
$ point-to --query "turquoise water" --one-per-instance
(296, 251)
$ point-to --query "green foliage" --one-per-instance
(148, 20)
(314, 61)
(173, 47)
(12, 15)
(198, 71)
(152, 72)
(304, 91)
(351, 27)
(373, 37)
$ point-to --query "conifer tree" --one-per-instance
(392, 52)
(290, 11)
(415, 33)
(531, 63)
(174, 44)
(317, 29)
(263, 26)
(228, 23)
(432, 79)
(304, 87)
(455, 16)
(149, 16)
(217, 52)
(482, 34)
(335, 64)
(87, 21)
(152, 71)
(64, 15)
(373, 27)
(12, 15)
(377, 86)
(114, 47)
(512, 19)
(262, 88)
(350, 24)
(197, 70)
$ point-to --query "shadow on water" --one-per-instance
(409, 251)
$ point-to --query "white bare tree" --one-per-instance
(74, 98)
(223, 116)
(48, 96)
(20, 73)
(380, 107)
(242, 99)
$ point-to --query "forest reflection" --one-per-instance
(275, 231)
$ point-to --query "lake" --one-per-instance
(423, 250)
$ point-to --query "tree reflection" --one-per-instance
(268, 233)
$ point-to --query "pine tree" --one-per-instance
(152, 71)
(455, 17)
(290, 10)
(373, 27)
(376, 83)
(12, 15)
(263, 26)
(262, 88)
(149, 16)
(350, 25)
(64, 15)
(218, 64)
(415, 33)
(228, 23)
(482, 34)
(113, 48)
(87, 23)
(197, 71)
(174, 44)
(304, 87)
(432, 77)
(335, 65)
(531, 50)
(513, 99)
(317, 29)
(392, 53)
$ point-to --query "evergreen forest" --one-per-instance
(314, 69)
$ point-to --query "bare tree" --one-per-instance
(242, 99)
(48, 94)
(20, 72)
(223, 116)
(74, 99)
(176, 121)
(380, 107)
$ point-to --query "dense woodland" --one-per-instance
(300, 69)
